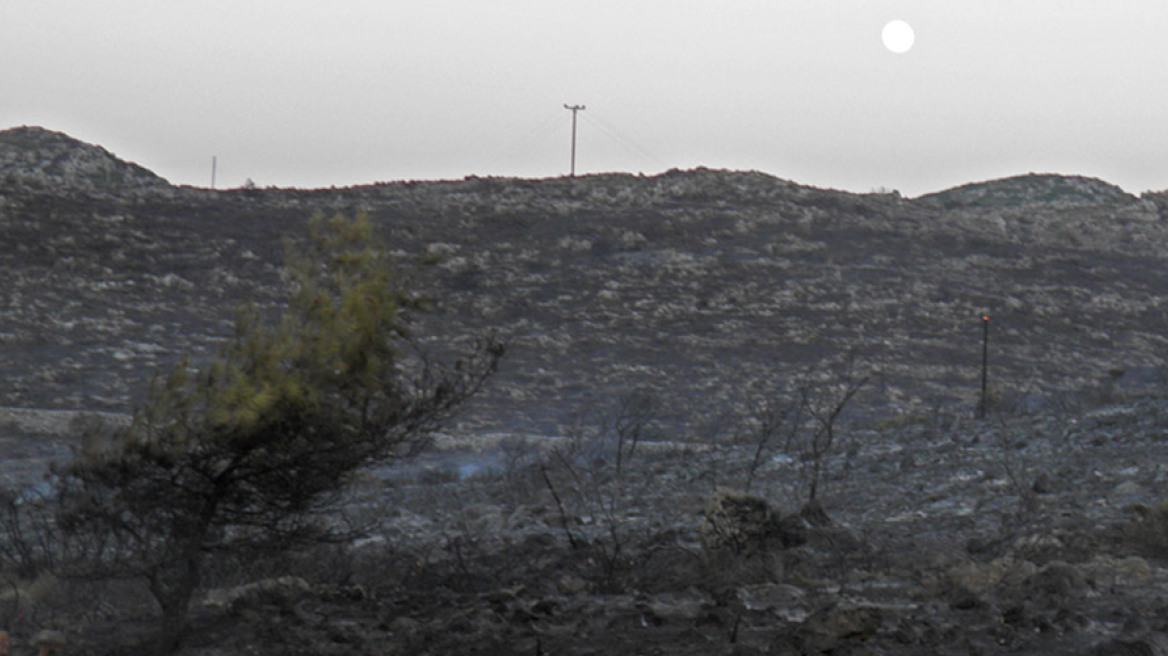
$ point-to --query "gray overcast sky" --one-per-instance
(308, 93)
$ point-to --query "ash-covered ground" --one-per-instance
(1036, 529)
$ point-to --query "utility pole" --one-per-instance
(985, 359)
(214, 163)
(574, 108)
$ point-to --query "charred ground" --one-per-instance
(703, 289)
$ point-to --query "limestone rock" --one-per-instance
(40, 158)
(1155, 644)
(831, 629)
(279, 591)
(738, 522)
(1058, 579)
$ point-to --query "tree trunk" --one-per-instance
(173, 585)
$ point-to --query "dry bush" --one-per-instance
(598, 480)
(804, 424)
(520, 478)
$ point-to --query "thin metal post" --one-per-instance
(985, 351)
(214, 163)
(574, 108)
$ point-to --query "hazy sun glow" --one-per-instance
(898, 36)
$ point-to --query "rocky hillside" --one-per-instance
(1032, 189)
(1038, 530)
(42, 159)
(691, 285)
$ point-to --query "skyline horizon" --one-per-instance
(294, 93)
(363, 183)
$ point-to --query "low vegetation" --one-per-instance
(250, 453)
(672, 457)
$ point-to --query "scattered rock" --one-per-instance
(684, 607)
(1155, 644)
(104, 288)
(570, 584)
(282, 591)
(405, 626)
(738, 522)
(965, 599)
(1043, 484)
(981, 577)
(1128, 490)
(1020, 614)
(814, 514)
(771, 596)
(831, 627)
(1105, 570)
(1056, 579)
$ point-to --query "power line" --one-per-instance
(535, 139)
(538, 138)
(629, 144)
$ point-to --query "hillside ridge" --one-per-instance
(689, 283)
(1030, 188)
(41, 158)
(44, 159)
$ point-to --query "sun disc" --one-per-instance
(898, 36)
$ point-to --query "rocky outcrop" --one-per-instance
(738, 522)
(1032, 189)
(41, 159)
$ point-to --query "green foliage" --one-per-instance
(250, 452)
